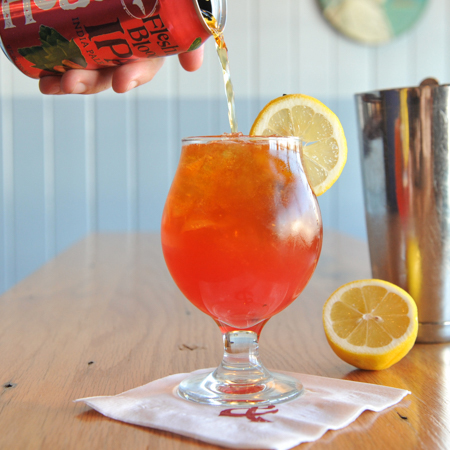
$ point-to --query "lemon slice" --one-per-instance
(324, 143)
(371, 324)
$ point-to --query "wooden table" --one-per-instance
(105, 317)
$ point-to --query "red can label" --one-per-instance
(43, 37)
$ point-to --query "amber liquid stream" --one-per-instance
(222, 52)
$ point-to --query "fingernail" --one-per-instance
(80, 88)
(132, 85)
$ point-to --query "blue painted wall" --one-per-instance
(74, 165)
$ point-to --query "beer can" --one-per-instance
(49, 37)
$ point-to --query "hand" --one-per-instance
(120, 78)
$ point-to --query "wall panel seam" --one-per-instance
(132, 172)
(49, 177)
(9, 253)
(91, 165)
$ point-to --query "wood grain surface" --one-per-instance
(105, 316)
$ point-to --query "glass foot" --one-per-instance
(211, 390)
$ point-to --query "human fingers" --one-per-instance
(87, 81)
(134, 74)
(121, 78)
(77, 81)
(50, 85)
(193, 60)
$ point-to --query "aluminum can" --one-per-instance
(45, 37)
(405, 160)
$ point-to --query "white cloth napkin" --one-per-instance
(327, 404)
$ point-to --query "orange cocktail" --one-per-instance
(241, 229)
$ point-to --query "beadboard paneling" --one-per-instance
(74, 165)
(70, 174)
(30, 219)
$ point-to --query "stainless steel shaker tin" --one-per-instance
(405, 160)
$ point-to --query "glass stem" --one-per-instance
(240, 363)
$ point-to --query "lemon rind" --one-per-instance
(262, 122)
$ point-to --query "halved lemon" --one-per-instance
(371, 324)
(324, 143)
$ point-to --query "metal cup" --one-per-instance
(405, 160)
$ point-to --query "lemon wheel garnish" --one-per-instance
(371, 324)
(324, 143)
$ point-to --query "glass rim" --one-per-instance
(229, 137)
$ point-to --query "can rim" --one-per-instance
(220, 15)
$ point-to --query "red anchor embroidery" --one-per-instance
(251, 413)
